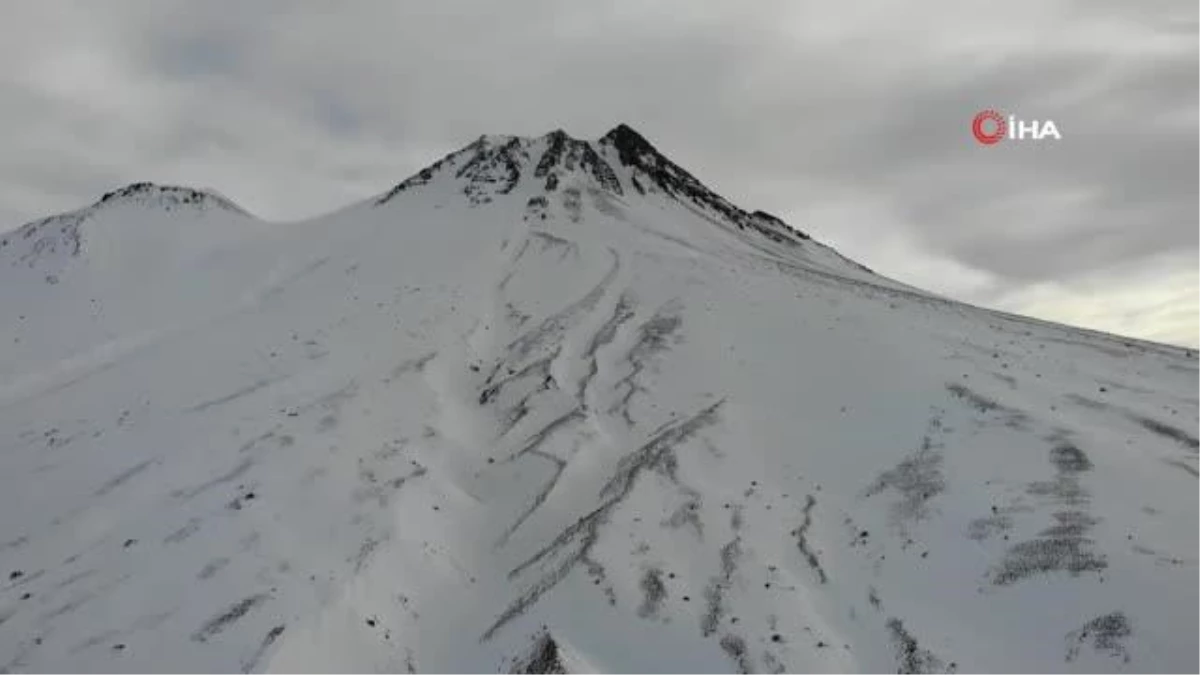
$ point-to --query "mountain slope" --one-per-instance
(553, 403)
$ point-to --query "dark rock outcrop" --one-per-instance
(543, 658)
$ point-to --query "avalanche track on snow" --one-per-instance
(553, 405)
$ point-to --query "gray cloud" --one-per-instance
(850, 120)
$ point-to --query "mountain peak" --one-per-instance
(168, 197)
(52, 241)
(625, 136)
(621, 160)
(637, 153)
(546, 656)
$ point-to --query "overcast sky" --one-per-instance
(851, 120)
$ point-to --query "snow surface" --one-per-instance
(550, 389)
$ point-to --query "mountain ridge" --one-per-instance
(559, 150)
(632, 147)
(633, 151)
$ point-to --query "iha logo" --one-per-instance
(990, 127)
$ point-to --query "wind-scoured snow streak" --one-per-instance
(917, 478)
(1065, 546)
(735, 647)
(416, 365)
(269, 639)
(225, 619)
(1179, 435)
(233, 474)
(578, 539)
(229, 398)
(550, 241)
(654, 592)
(192, 526)
(912, 658)
(801, 533)
(653, 336)
(540, 498)
(1107, 635)
(1183, 466)
(537, 438)
(553, 326)
(124, 477)
(1011, 417)
(512, 266)
(715, 592)
(539, 368)
(623, 311)
(653, 451)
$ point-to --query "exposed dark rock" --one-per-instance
(917, 479)
(735, 647)
(543, 658)
(168, 197)
(570, 153)
(1106, 633)
(1069, 459)
(912, 658)
(801, 534)
(1065, 545)
(654, 591)
(637, 153)
(220, 622)
(1182, 437)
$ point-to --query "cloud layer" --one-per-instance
(849, 120)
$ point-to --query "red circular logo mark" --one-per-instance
(989, 119)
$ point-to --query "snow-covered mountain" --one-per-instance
(554, 404)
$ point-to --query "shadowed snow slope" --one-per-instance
(553, 404)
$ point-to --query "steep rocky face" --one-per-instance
(568, 154)
(655, 168)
